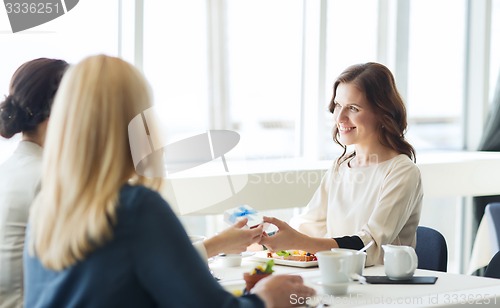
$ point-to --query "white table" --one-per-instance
(450, 290)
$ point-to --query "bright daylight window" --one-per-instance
(436, 73)
(348, 42)
(495, 49)
(264, 48)
(77, 34)
(237, 66)
(176, 64)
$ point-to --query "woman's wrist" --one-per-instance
(315, 244)
(213, 246)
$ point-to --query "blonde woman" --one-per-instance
(99, 235)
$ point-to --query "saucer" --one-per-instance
(334, 288)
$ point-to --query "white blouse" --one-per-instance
(380, 202)
(19, 182)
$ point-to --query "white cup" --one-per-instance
(358, 260)
(230, 260)
(400, 262)
(336, 270)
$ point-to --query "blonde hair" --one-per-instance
(87, 159)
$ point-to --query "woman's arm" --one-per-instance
(167, 265)
(234, 239)
(174, 275)
(289, 238)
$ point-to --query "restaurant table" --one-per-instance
(450, 290)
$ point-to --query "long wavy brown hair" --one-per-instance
(377, 83)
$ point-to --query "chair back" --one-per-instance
(493, 269)
(431, 249)
(492, 214)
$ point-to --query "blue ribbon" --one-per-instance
(242, 213)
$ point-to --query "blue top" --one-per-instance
(150, 262)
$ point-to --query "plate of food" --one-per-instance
(297, 258)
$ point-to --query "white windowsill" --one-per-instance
(288, 183)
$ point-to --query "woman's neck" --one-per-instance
(38, 135)
(33, 138)
(369, 157)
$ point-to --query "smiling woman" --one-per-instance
(373, 193)
(374, 119)
(356, 122)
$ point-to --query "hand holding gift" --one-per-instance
(231, 216)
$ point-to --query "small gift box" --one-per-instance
(243, 211)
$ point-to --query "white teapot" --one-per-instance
(400, 262)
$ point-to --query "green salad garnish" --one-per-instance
(264, 269)
(269, 266)
(283, 253)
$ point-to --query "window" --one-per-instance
(436, 74)
(77, 34)
(176, 64)
(351, 38)
(264, 66)
(495, 50)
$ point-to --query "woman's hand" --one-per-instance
(288, 238)
(285, 238)
(234, 239)
(283, 291)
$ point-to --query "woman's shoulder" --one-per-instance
(136, 189)
(404, 160)
(139, 204)
(134, 195)
(404, 164)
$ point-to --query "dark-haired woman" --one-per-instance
(25, 110)
(373, 191)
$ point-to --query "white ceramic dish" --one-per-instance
(262, 256)
(233, 260)
(230, 260)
